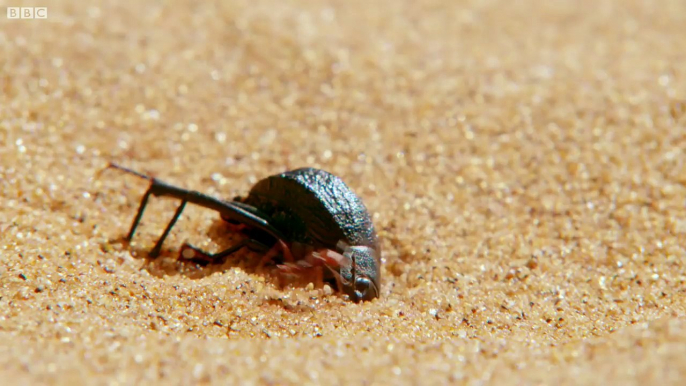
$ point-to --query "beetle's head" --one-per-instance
(361, 276)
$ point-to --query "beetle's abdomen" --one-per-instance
(313, 206)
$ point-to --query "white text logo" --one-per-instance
(27, 12)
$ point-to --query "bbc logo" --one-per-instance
(27, 12)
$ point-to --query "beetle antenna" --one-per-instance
(354, 275)
(342, 245)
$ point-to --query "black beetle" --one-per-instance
(312, 216)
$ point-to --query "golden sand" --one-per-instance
(523, 162)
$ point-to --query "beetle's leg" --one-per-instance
(304, 273)
(158, 246)
(274, 251)
(144, 200)
(329, 258)
(191, 252)
(237, 212)
(318, 277)
(235, 227)
(337, 276)
(139, 215)
(332, 261)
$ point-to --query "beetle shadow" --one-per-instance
(223, 236)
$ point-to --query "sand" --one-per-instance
(523, 163)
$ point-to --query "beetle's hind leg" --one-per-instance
(156, 187)
(197, 255)
(155, 251)
(234, 212)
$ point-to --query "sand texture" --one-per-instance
(523, 162)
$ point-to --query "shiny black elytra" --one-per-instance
(306, 208)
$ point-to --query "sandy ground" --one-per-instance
(523, 163)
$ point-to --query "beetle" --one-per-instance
(309, 215)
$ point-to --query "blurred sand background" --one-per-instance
(523, 162)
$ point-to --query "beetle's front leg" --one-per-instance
(303, 272)
(280, 246)
(310, 269)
